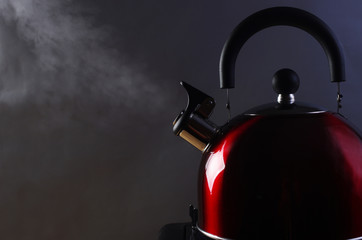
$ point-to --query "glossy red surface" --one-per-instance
(283, 177)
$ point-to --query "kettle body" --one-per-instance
(283, 177)
(284, 170)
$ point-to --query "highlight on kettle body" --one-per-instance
(283, 170)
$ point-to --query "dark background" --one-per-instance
(89, 90)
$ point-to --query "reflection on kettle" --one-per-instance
(284, 170)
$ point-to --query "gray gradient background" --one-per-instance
(89, 89)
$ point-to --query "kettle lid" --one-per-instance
(285, 83)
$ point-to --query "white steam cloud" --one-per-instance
(52, 53)
(73, 110)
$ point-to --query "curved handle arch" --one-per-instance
(287, 16)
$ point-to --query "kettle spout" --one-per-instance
(193, 124)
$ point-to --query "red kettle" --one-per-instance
(284, 170)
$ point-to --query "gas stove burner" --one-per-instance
(190, 231)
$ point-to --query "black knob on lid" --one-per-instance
(285, 82)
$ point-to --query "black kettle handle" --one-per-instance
(280, 16)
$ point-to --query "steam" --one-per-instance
(69, 99)
(53, 54)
